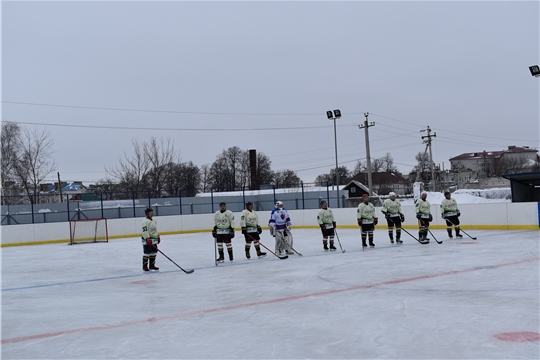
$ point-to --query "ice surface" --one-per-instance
(448, 301)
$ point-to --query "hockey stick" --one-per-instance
(276, 255)
(189, 271)
(434, 238)
(474, 238)
(339, 242)
(215, 252)
(290, 247)
(411, 235)
(259, 242)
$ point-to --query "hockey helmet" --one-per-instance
(248, 204)
(279, 204)
(446, 193)
(323, 202)
(392, 194)
(147, 210)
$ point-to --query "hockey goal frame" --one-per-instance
(89, 239)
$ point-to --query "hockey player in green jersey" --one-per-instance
(450, 213)
(325, 219)
(365, 215)
(392, 212)
(423, 214)
(249, 222)
(150, 240)
(223, 231)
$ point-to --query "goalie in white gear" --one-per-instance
(280, 228)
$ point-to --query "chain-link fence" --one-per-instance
(46, 208)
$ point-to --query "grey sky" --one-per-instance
(272, 68)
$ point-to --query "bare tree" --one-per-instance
(205, 176)
(35, 161)
(129, 172)
(359, 167)
(330, 178)
(229, 170)
(388, 163)
(286, 178)
(159, 154)
(11, 148)
(265, 175)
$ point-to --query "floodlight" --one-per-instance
(535, 70)
(337, 113)
(329, 115)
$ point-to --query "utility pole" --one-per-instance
(368, 158)
(428, 146)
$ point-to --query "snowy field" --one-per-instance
(462, 299)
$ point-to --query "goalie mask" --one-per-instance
(279, 204)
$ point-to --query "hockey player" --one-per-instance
(366, 220)
(450, 213)
(249, 222)
(392, 212)
(325, 219)
(150, 240)
(423, 214)
(280, 228)
(223, 231)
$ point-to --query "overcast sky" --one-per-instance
(261, 75)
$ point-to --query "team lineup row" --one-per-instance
(280, 227)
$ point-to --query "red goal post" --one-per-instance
(88, 231)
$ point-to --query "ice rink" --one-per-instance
(462, 299)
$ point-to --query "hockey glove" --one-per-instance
(359, 222)
(443, 216)
(149, 242)
(215, 228)
(289, 226)
(272, 230)
(158, 239)
(387, 215)
(334, 223)
(375, 221)
(418, 216)
(458, 214)
(402, 217)
(259, 229)
(231, 231)
(430, 218)
(214, 233)
(323, 228)
(244, 231)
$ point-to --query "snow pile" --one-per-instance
(467, 197)
(504, 193)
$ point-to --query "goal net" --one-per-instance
(88, 231)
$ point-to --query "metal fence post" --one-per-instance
(211, 199)
(67, 203)
(133, 198)
(32, 207)
(180, 199)
(303, 203)
(101, 197)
